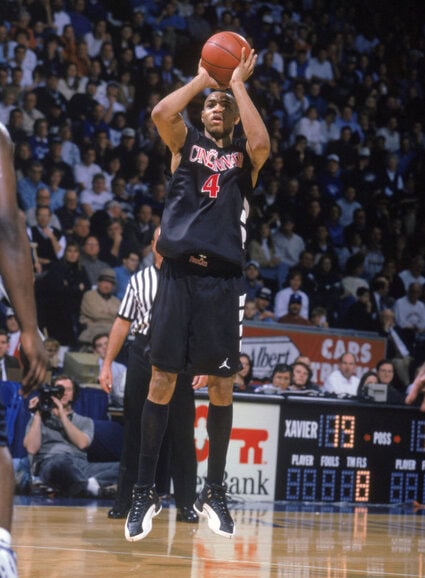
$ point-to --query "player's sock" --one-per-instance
(219, 426)
(154, 424)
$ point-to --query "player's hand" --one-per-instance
(34, 359)
(246, 66)
(105, 378)
(209, 80)
(418, 388)
(199, 381)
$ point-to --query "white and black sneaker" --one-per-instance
(211, 502)
(145, 505)
(7, 562)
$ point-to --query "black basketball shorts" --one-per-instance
(197, 319)
(3, 432)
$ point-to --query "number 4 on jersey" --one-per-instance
(211, 186)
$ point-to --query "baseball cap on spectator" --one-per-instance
(364, 152)
(107, 274)
(333, 158)
(295, 298)
(252, 263)
(264, 293)
(128, 132)
(267, 19)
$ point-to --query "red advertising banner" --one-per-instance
(269, 344)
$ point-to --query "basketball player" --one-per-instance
(134, 314)
(16, 274)
(197, 314)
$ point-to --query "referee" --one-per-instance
(134, 314)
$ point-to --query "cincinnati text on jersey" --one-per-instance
(210, 159)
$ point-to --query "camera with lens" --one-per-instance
(46, 393)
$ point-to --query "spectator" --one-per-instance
(360, 314)
(310, 127)
(387, 375)
(410, 310)
(368, 378)
(81, 229)
(295, 103)
(282, 298)
(399, 348)
(6, 361)
(99, 307)
(50, 241)
(139, 232)
(253, 282)
(293, 317)
(58, 444)
(130, 264)
(43, 198)
(29, 185)
(65, 285)
(95, 198)
(288, 245)
(280, 380)
(54, 160)
(343, 381)
(414, 272)
(262, 250)
(243, 377)
(301, 378)
(69, 212)
(263, 302)
(87, 169)
(330, 181)
(250, 310)
(90, 259)
(348, 204)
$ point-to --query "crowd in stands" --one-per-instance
(336, 233)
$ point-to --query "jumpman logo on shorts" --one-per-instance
(225, 365)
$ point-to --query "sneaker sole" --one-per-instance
(213, 520)
(150, 514)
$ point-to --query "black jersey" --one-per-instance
(204, 211)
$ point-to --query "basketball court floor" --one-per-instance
(59, 538)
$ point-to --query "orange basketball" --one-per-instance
(221, 54)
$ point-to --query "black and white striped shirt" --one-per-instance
(136, 305)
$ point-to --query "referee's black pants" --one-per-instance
(178, 453)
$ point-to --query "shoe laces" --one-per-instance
(141, 499)
(217, 498)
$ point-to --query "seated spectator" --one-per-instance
(58, 439)
(348, 204)
(95, 198)
(279, 382)
(343, 381)
(50, 241)
(369, 377)
(68, 213)
(263, 302)
(353, 278)
(250, 310)
(52, 347)
(43, 198)
(90, 259)
(387, 375)
(113, 244)
(301, 376)
(360, 315)
(6, 361)
(310, 127)
(328, 284)
(414, 272)
(262, 250)
(294, 317)
(330, 180)
(243, 377)
(282, 297)
(86, 169)
(99, 307)
(252, 280)
(139, 231)
(288, 245)
(130, 265)
(410, 310)
(29, 185)
(118, 370)
(318, 317)
(13, 333)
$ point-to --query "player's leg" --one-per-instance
(212, 502)
(7, 489)
(145, 503)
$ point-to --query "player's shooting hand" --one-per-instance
(34, 359)
(246, 66)
(208, 80)
(199, 381)
(105, 378)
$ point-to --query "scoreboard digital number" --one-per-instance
(345, 451)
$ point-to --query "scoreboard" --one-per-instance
(347, 451)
